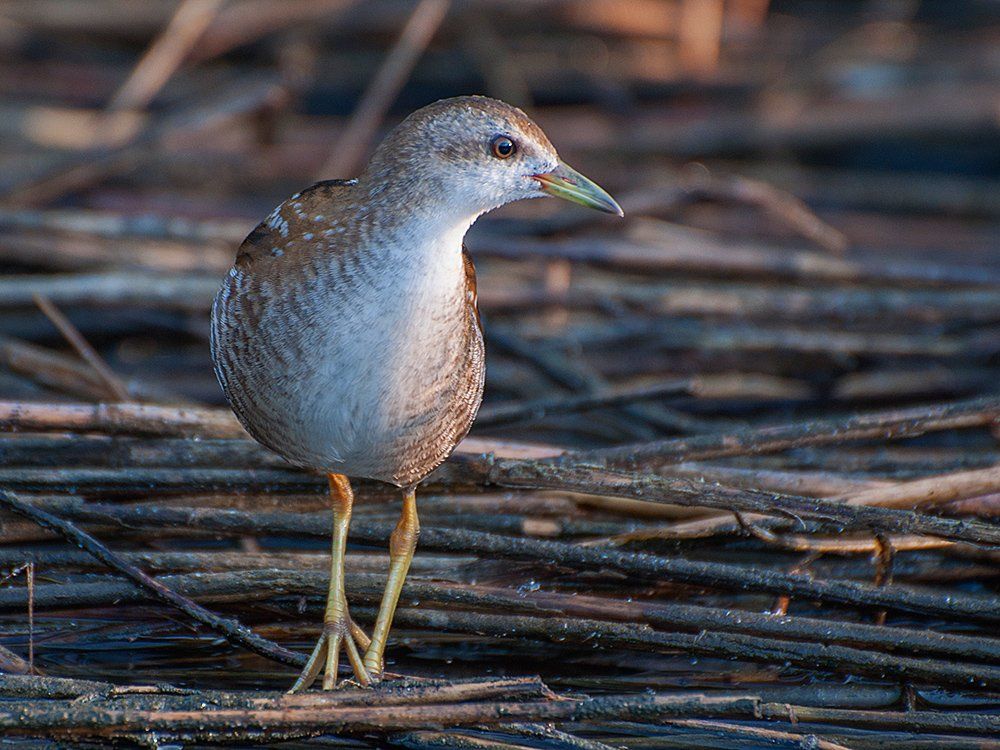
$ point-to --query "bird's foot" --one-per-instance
(340, 633)
(375, 666)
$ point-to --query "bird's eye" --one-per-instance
(503, 147)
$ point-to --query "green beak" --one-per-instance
(566, 183)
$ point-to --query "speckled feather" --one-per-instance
(269, 332)
(346, 336)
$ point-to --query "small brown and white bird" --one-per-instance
(347, 338)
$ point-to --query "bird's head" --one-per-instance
(472, 154)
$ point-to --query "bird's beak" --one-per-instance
(565, 182)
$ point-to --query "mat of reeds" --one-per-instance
(736, 480)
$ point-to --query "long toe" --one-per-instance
(313, 666)
(325, 657)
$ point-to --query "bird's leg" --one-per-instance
(402, 543)
(338, 627)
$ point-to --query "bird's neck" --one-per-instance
(421, 258)
(417, 226)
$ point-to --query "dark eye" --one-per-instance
(502, 147)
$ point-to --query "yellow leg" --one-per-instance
(402, 543)
(338, 628)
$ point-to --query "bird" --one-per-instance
(347, 337)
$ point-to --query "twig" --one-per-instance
(11, 663)
(519, 412)
(554, 737)
(924, 721)
(921, 493)
(114, 385)
(405, 692)
(580, 477)
(51, 369)
(780, 204)
(143, 289)
(162, 58)
(353, 142)
(659, 247)
(705, 643)
(230, 629)
(930, 492)
(125, 418)
(188, 421)
(643, 566)
(30, 574)
(212, 108)
(267, 584)
(79, 721)
(755, 735)
(894, 424)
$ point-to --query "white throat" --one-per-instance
(428, 256)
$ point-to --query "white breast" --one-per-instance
(385, 352)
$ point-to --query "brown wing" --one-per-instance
(293, 223)
(471, 290)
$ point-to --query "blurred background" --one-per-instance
(812, 198)
(811, 187)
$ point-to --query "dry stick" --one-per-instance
(80, 720)
(236, 100)
(752, 302)
(184, 422)
(778, 203)
(160, 61)
(755, 735)
(892, 424)
(466, 542)
(165, 55)
(707, 574)
(77, 720)
(927, 492)
(653, 248)
(234, 560)
(188, 422)
(555, 737)
(407, 692)
(837, 545)
(106, 224)
(119, 481)
(810, 655)
(51, 369)
(188, 293)
(568, 374)
(232, 630)
(70, 332)
(812, 483)
(888, 461)
(35, 686)
(353, 142)
(540, 476)
(423, 739)
(556, 616)
(930, 491)
(698, 618)
(12, 663)
(242, 23)
(195, 290)
(595, 480)
(506, 414)
(119, 419)
(921, 721)
(740, 337)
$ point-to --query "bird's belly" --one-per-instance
(377, 393)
